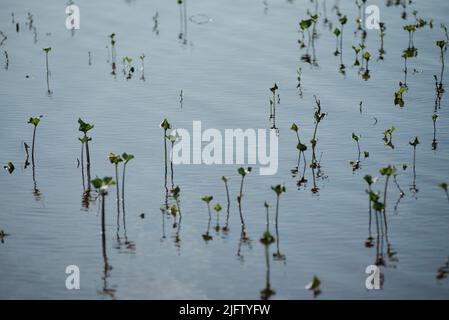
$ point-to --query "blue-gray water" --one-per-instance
(225, 71)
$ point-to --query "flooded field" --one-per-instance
(354, 109)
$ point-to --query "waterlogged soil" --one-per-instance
(229, 54)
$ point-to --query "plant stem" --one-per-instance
(87, 161)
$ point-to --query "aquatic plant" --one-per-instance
(370, 180)
(387, 172)
(278, 189)
(9, 167)
(207, 199)
(398, 100)
(3, 234)
(126, 157)
(356, 50)
(225, 180)
(47, 50)
(301, 149)
(414, 143)
(342, 19)
(142, 59)
(299, 78)
(102, 186)
(318, 116)
(304, 25)
(356, 163)
(165, 125)
(172, 138)
(337, 33)
(314, 286)
(242, 172)
(382, 29)
(443, 185)
(85, 127)
(35, 122)
(366, 74)
(217, 209)
(388, 136)
(273, 105)
(115, 160)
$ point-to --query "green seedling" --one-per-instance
(102, 186)
(85, 127)
(165, 125)
(242, 172)
(142, 59)
(357, 51)
(314, 286)
(366, 74)
(388, 136)
(382, 34)
(301, 149)
(370, 180)
(387, 172)
(225, 180)
(126, 158)
(115, 159)
(217, 209)
(414, 143)
(172, 138)
(356, 163)
(318, 116)
(3, 235)
(273, 101)
(337, 33)
(398, 99)
(35, 122)
(207, 199)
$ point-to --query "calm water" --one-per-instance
(225, 69)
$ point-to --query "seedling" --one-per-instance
(102, 186)
(337, 33)
(126, 158)
(207, 199)
(273, 101)
(304, 25)
(434, 140)
(243, 172)
(315, 286)
(398, 100)
(356, 163)
(47, 50)
(319, 116)
(217, 209)
(172, 138)
(142, 59)
(225, 180)
(279, 189)
(9, 167)
(382, 29)
(35, 122)
(388, 136)
(356, 50)
(301, 149)
(115, 160)
(165, 125)
(443, 47)
(387, 172)
(414, 143)
(85, 127)
(366, 57)
(370, 181)
(298, 86)
(443, 185)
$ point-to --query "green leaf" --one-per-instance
(337, 32)
(294, 127)
(279, 189)
(35, 121)
(114, 158)
(84, 126)
(217, 207)
(165, 124)
(127, 157)
(207, 199)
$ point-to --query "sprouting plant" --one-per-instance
(278, 189)
(172, 138)
(207, 200)
(115, 159)
(443, 185)
(388, 135)
(102, 185)
(337, 33)
(411, 28)
(273, 101)
(414, 143)
(356, 50)
(434, 140)
(343, 19)
(225, 180)
(387, 172)
(398, 99)
(370, 181)
(47, 50)
(243, 172)
(85, 127)
(165, 125)
(366, 57)
(9, 167)
(382, 28)
(176, 193)
(126, 157)
(35, 122)
(217, 209)
(314, 285)
(443, 46)
(142, 59)
(299, 78)
(128, 69)
(301, 149)
(356, 163)
(267, 239)
(303, 26)
(319, 116)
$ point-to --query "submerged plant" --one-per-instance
(388, 136)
